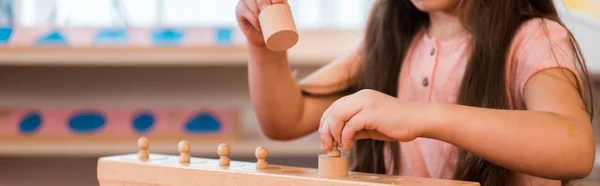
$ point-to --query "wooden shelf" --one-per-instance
(314, 48)
(246, 148)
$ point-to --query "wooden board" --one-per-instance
(165, 170)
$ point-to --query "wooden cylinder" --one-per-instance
(278, 27)
(332, 167)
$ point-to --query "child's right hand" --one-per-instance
(247, 12)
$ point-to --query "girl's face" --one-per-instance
(436, 5)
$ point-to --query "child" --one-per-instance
(495, 79)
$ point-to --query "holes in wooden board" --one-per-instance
(365, 177)
(268, 169)
(215, 164)
(150, 158)
(391, 181)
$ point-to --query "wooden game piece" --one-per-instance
(223, 150)
(184, 148)
(335, 151)
(143, 145)
(332, 166)
(261, 154)
(278, 27)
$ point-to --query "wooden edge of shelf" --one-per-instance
(239, 148)
(314, 48)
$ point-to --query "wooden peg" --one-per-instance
(184, 148)
(278, 27)
(261, 154)
(143, 145)
(335, 151)
(223, 150)
(332, 164)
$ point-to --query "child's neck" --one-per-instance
(444, 26)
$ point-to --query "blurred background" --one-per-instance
(80, 79)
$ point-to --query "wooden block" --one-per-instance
(278, 27)
(165, 170)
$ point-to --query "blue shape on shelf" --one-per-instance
(31, 123)
(86, 122)
(203, 123)
(5, 33)
(224, 36)
(167, 37)
(53, 38)
(143, 122)
(112, 36)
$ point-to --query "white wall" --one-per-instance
(308, 13)
(587, 33)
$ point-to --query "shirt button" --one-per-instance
(432, 51)
(425, 82)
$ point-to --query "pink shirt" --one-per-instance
(434, 70)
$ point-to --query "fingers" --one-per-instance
(335, 117)
(248, 11)
(247, 18)
(252, 5)
(326, 138)
(363, 134)
(279, 1)
(262, 4)
(357, 124)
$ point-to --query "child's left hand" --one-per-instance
(373, 115)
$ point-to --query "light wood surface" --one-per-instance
(165, 170)
(317, 47)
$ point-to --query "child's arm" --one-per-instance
(283, 112)
(532, 142)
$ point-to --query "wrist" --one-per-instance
(436, 121)
(261, 54)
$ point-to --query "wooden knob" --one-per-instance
(335, 151)
(261, 153)
(223, 149)
(143, 143)
(184, 146)
(278, 27)
(184, 151)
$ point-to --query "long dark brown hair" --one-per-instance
(493, 24)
